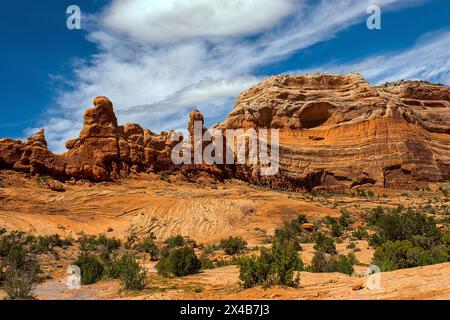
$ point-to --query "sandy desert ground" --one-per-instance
(205, 212)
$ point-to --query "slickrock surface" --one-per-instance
(337, 132)
(340, 132)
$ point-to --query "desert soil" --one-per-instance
(205, 212)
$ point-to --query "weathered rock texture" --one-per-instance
(340, 132)
(103, 151)
(336, 132)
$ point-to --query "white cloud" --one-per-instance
(428, 59)
(174, 20)
(167, 57)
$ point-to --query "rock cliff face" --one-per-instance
(340, 132)
(336, 132)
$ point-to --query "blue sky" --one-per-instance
(157, 60)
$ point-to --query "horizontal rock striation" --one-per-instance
(340, 132)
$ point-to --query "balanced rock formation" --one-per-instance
(340, 132)
(336, 132)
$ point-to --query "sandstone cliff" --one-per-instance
(339, 131)
(336, 132)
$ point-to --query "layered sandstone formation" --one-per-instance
(336, 132)
(341, 132)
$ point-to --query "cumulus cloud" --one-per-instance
(157, 59)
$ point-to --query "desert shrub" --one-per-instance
(87, 243)
(165, 176)
(345, 218)
(21, 275)
(227, 262)
(233, 245)
(446, 243)
(92, 269)
(110, 243)
(91, 243)
(131, 239)
(209, 249)
(360, 234)
(222, 263)
(44, 244)
(394, 255)
(206, 263)
(405, 225)
(148, 245)
(291, 231)
(7, 246)
(164, 252)
(361, 193)
(337, 225)
(130, 273)
(190, 243)
(324, 243)
(43, 179)
(179, 263)
(14, 240)
(330, 220)
(406, 239)
(351, 245)
(336, 230)
(135, 280)
(323, 262)
(273, 267)
(175, 241)
(375, 215)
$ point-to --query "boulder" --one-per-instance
(55, 185)
(308, 227)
